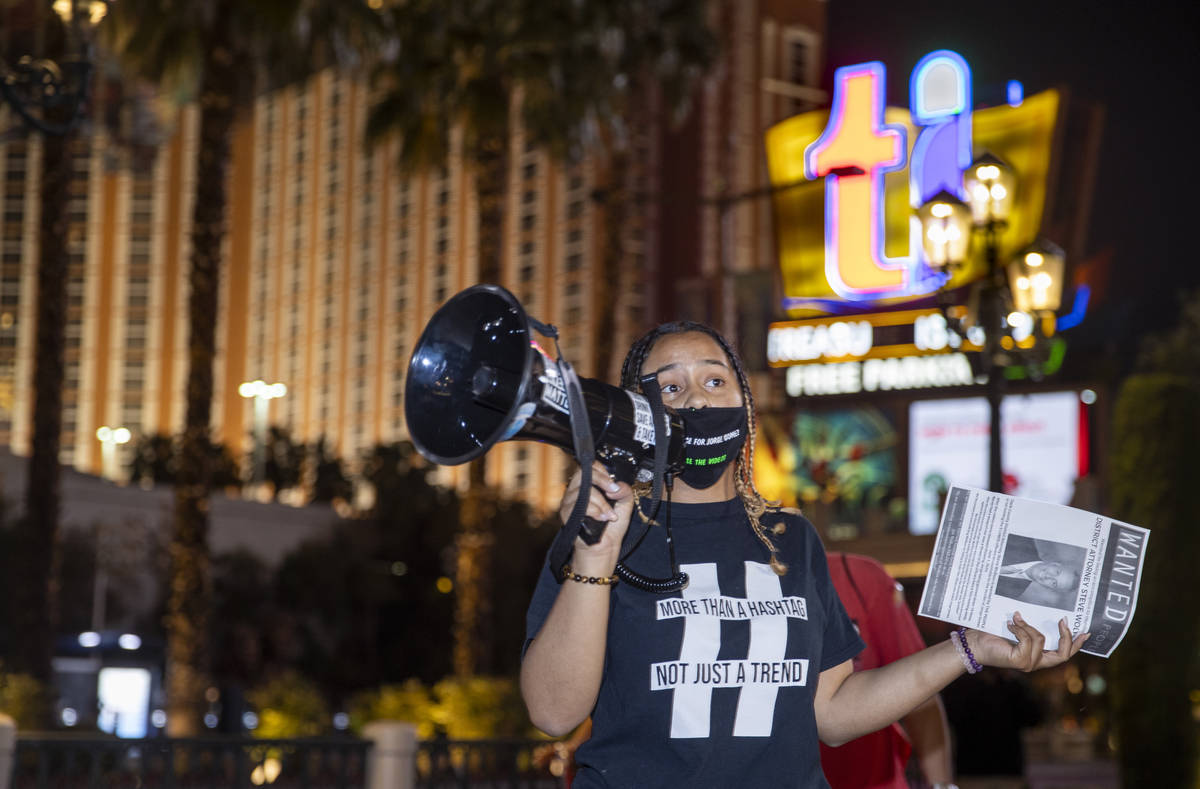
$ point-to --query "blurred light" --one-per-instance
(123, 694)
(250, 720)
(89, 639)
(988, 172)
(1078, 310)
(1015, 93)
(95, 9)
(341, 721)
(1075, 685)
(260, 388)
(210, 720)
(120, 435)
(1034, 259)
(1022, 325)
(399, 568)
(267, 772)
(1096, 684)
(945, 221)
(158, 718)
(976, 335)
(212, 695)
(445, 585)
(6, 320)
(129, 641)
(69, 716)
(1087, 397)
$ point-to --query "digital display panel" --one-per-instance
(948, 445)
(124, 695)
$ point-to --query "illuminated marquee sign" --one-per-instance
(910, 349)
(849, 178)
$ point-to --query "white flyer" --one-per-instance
(997, 554)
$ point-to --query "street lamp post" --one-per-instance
(1012, 306)
(111, 438)
(262, 393)
(50, 95)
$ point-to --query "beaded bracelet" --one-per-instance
(959, 639)
(570, 575)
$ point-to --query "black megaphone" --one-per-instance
(478, 377)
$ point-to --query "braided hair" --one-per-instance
(743, 471)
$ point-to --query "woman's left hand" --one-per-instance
(1027, 654)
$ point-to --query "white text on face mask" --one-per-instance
(704, 442)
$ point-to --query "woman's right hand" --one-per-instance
(610, 502)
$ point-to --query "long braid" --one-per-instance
(743, 472)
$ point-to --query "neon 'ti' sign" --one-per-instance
(858, 148)
(847, 236)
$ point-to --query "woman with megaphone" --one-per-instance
(732, 680)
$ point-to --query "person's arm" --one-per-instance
(849, 704)
(929, 732)
(563, 665)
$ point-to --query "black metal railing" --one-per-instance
(488, 764)
(52, 761)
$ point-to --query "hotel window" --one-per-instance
(799, 66)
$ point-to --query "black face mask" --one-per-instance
(713, 437)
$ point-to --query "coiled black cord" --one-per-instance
(677, 581)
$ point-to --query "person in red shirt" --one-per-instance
(875, 603)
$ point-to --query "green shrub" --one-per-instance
(289, 705)
(409, 701)
(23, 698)
(461, 708)
(480, 708)
(1155, 467)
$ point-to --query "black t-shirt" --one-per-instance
(713, 686)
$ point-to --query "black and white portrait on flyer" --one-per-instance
(997, 554)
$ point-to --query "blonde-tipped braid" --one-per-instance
(752, 500)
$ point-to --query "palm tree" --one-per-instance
(616, 72)
(220, 52)
(464, 65)
(452, 70)
(35, 32)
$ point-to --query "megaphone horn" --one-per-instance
(477, 377)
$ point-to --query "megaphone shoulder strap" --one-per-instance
(585, 453)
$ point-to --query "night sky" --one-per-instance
(1144, 69)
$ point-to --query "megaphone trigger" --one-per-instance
(591, 530)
